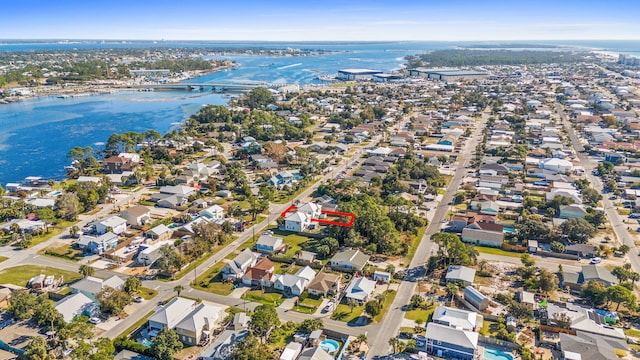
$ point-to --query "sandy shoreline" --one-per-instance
(92, 89)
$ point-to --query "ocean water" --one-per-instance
(37, 134)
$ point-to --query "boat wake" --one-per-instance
(289, 66)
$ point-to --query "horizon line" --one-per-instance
(311, 41)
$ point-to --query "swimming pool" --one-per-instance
(329, 345)
(145, 342)
(496, 354)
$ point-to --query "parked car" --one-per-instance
(95, 320)
(138, 299)
(328, 307)
(596, 260)
(404, 335)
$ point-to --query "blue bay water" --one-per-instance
(37, 134)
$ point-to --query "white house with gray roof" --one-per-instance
(294, 284)
(170, 315)
(75, 305)
(235, 268)
(91, 286)
(197, 326)
(460, 274)
(116, 224)
(457, 318)
(451, 343)
(360, 289)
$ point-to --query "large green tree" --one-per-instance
(577, 230)
(166, 344)
(250, 348)
(263, 320)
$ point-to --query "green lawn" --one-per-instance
(3, 258)
(294, 241)
(389, 295)
(420, 314)
(311, 305)
(211, 281)
(147, 293)
(20, 275)
(344, 313)
(414, 244)
(261, 297)
(489, 328)
(624, 211)
(496, 251)
(180, 274)
(53, 231)
(63, 251)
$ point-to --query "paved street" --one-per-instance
(616, 223)
(393, 320)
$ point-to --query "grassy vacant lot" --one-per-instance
(344, 313)
(389, 295)
(3, 258)
(311, 304)
(53, 231)
(420, 315)
(631, 332)
(261, 297)
(64, 251)
(496, 251)
(414, 244)
(211, 281)
(20, 275)
(147, 293)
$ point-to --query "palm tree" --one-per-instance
(394, 343)
(452, 290)
(362, 338)
(178, 289)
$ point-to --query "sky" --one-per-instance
(314, 20)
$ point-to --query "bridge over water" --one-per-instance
(213, 86)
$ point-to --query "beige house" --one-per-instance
(324, 284)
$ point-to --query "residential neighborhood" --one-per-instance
(442, 214)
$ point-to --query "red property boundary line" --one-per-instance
(351, 217)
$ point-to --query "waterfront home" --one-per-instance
(235, 268)
(451, 343)
(349, 260)
(117, 164)
(324, 284)
(457, 318)
(360, 289)
(170, 314)
(269, 244)
(294, 285)
(136, 215)
(97, 244)
(196, 327)
(460, 274)
(115, 224)
(75, 305)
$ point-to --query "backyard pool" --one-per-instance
(329, 345)
(145, 342)
(496, 354)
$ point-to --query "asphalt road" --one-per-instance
(619, 228)
(390, 326)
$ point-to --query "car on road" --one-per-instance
(95, 320)
(328, 307)
(138, 299)
(596, 260)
